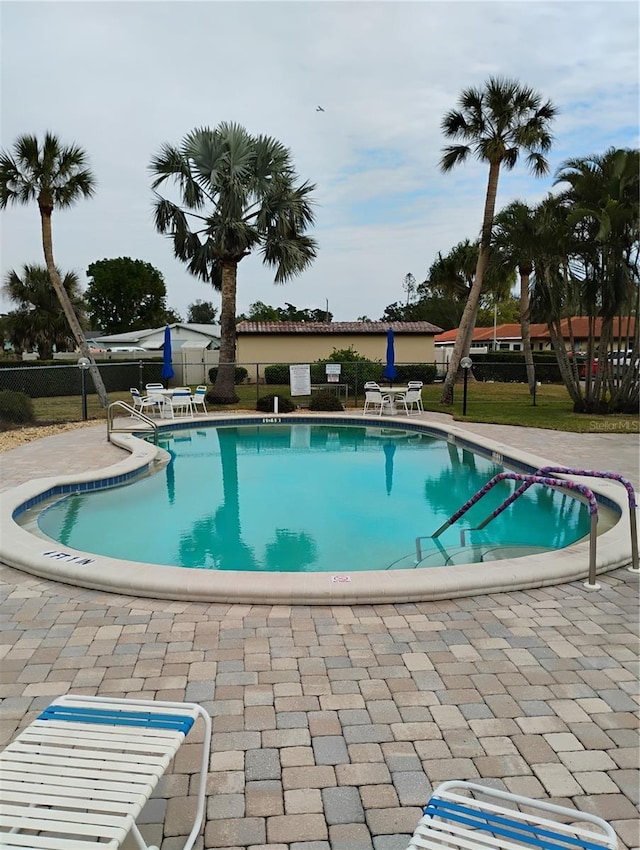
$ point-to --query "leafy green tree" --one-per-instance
(495, 124)
(171, 316)
(53, 175)
(505, 311)
(125, 295)
(37, 322)
(440, 310)
(260, 312)
(289, 313)
(239, 194)
(202, 313)
(410, 287)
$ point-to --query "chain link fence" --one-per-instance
(51, 385)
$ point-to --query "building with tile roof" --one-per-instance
(306, 342)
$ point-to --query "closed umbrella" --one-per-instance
(390, 371)
(167, 368)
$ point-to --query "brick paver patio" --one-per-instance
(331, 724)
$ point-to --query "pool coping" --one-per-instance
(33, 554)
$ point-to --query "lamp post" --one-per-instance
(466, 364)
(83, 365)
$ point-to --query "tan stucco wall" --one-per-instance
(265, 349)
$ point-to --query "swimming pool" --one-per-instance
(311, 498)
(21, 548)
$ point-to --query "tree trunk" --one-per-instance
(223, 391)
(470, 314)
(525, 329)
(67, 306)
(566, 365)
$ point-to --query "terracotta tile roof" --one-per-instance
(336, 328)
(579, 327)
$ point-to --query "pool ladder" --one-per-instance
(541, 476)
(112, 429)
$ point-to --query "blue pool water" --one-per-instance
(311, 498)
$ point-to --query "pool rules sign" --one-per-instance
(300, 379)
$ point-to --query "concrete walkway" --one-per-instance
(331, 725)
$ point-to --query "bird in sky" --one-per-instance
(319, 109)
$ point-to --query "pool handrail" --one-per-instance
(556, 483)
(586, 473)
(111, 429)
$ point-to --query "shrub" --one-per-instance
(425, 372)
(325, 401)
(509, 367)
(239, 377)
(354, 372)
(265, 404)
(15, 408)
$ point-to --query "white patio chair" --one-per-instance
(198, 398)
(464, 815)
(376, 399)
(398, 400)
(80, 773)
(179, 403)
(411, 399)
(140, 402)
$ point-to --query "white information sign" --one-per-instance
(333, 372)
(300, 379)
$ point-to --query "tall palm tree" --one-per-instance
(238, 195)
(37, 322)
(496, 124)
(515, 239)
(54, 175)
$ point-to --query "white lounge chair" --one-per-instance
(83, 770)
(464, 815)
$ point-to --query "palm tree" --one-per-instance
(240, 193)
(38, 322)
(603, 212)
(515, 240)
(495, 123)
(55, 176)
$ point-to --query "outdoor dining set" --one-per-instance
(392, 400)
(169, 403)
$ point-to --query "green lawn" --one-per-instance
(504, 404)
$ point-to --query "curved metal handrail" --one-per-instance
(132, 412)
(587, 473)
(556, 483)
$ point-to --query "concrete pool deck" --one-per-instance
(331, 724)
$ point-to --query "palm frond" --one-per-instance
(453, 155)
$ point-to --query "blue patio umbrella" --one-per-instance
(167, 368)
(390, 370)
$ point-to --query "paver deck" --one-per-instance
(331, 724)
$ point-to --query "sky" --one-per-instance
(121, 79)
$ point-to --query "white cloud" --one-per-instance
(120, 79)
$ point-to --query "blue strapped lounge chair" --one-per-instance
(83, 770)
(468, 816)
